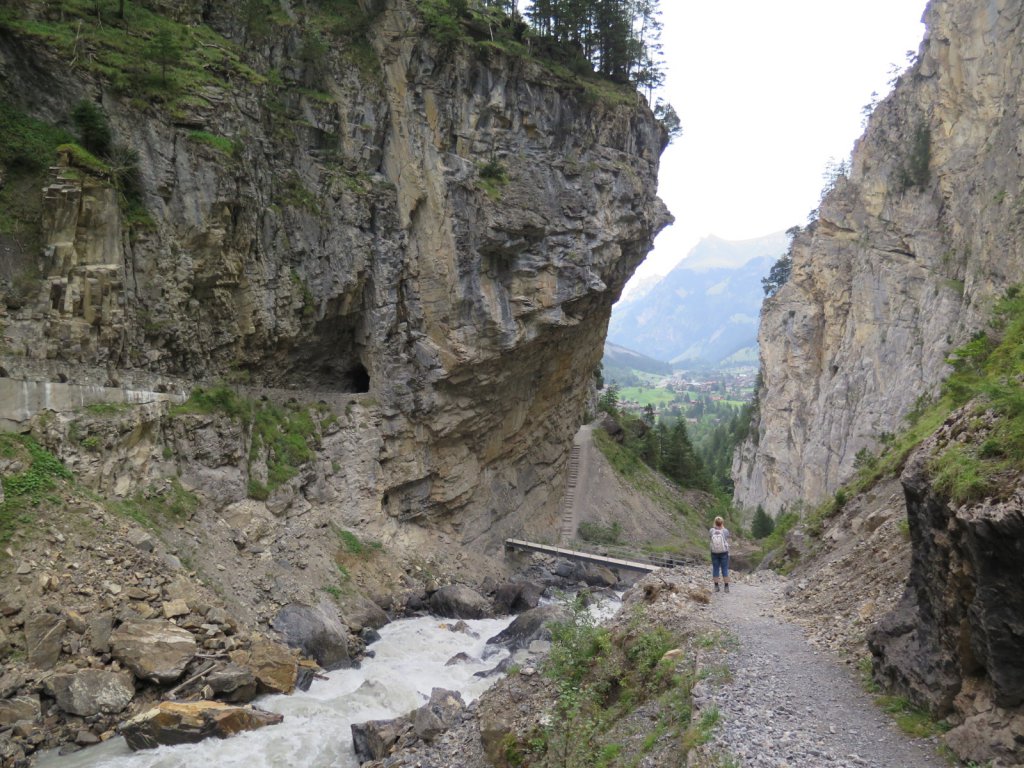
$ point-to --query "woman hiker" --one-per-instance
(720, 552)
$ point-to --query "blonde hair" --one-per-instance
(719, 521)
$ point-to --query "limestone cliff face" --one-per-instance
(347, 244)
(902, 264)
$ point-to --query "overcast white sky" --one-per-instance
(767, 93)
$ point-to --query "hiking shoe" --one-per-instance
(726, 587)
(716, 587)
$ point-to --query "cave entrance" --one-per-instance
(357, 379)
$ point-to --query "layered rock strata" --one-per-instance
(350, 244)
(902, 264)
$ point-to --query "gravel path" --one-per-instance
(789, 705)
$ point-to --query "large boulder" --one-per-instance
(154, 650)
(439, 714)
(599, 576)
(274, 666)
(92, 691)
(173, 722)
(374, 739)
(362, 613)
(529, 626)
(317, 632)
(233, 682)
(517, 596)
(457, 601)
(44, 633)
(19, 708)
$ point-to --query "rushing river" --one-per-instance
(410, 661)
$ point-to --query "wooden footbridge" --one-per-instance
(615, 558)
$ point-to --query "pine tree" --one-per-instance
(762, 525)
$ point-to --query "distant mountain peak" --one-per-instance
(706, 309)
(714, 252)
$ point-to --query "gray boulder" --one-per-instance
(374, 739)
(92, 691)
(439, 714)
(233, 682)
(457, 601)
(19, 708)
(599, 576)
(529, 626)
(154, 650)
(44, 633)
(362, 613)
(317, 632)
(517, 596)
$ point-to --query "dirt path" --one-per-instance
(790, 705)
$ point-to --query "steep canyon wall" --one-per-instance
(902, 265)
(326, 226)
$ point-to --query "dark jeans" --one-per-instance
(720, 562)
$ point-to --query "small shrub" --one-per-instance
(257, 490)
(600, 534)
(220, 143)
(960, 475)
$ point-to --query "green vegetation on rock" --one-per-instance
(986, 456)
(157, 506)
(280, 436)
(33, 475)
(601, 679)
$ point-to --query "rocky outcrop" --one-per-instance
(376, 739)
(350, 246)
(902, 265)
(320, 236)
(952, 645)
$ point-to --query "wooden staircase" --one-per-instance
(567, 532)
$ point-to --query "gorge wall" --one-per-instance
(323, 223)
(902, 265)
(905, 263)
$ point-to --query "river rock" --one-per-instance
(439, 714)
(273, 665)
(44, 633)
(317, 632)
(374, 739)
(154, 650)
(100, 628)
(233, 682)
(362, 613)
(517, 596)
(599, 576)
(457, 601)
(19, 708)
(173, 722)
(92, 691)
(529, 626)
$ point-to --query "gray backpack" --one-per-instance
(718, 542)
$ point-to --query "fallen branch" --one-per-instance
(172, 694)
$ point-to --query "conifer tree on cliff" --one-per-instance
(620, 38)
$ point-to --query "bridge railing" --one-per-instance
(612, 555)
(628, 553)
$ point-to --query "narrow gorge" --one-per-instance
(898, 282)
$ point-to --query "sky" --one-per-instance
(768, 93)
